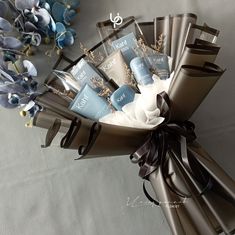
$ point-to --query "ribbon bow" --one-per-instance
(162, 144)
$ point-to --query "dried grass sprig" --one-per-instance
(99, 83)
(92, 57)
(159, 45)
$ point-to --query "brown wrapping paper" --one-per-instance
(204, 32)
(180, 25)
(196, 55)
(190, 87)
(56, 104)
(163, 26)
(46, 118)
(147, 28)
(185, 216)
(110, 141)
(209, 213)
(220, 205)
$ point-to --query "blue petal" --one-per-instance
(26, 4)
(14, 100)
(46, 6)
(8, 56)
(51, 2)
(72, 31)
(3, 65)
(69, 39)
(60, 36)
(75, 4)
(36, 39)
(6, 76)
(60, 44)
(69, 15)
(11, 43)
(5, 25)
(4, 102)
(12, 88)
(44, 17)
(3, 9)
(60, 28)
(52, 25)
(30, 27)
(57, 11)
(31, 70)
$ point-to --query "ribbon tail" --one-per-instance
(184, 215)
(220, 199)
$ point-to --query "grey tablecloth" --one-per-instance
(44, 191)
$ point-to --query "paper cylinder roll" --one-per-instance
(185, 216)
(209, 213)
(203, 32)
(163, 26)
(222, 204)
(111, 140)
(196, 55)
(180, 26)
(147, 29)
(45, 119)
(56, 104)
(190, 87)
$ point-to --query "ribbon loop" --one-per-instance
(169, 140)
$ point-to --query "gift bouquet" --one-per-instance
(133, 94)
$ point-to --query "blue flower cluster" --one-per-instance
(35, 19)
(48, 19)
(17, 77)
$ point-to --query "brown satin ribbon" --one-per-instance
(168, 136)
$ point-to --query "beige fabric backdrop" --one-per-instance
(44, 191)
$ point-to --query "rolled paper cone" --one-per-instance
(199, 41)
(148, 31)
(162, 27)
(54, 82)
(201, 32)
(180, 25)
(45, 119)
(196, 55)
(117, 140)
(111, 141)
(221, 205)
(218, 201)
(56, 104)
(190, 88)
(184, 215)
(56, 98)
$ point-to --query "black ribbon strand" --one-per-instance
(169, 140)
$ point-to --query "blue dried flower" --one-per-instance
(64, 37)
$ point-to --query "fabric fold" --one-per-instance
(190, 87)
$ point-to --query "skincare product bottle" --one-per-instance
(124, 95)
(67, 80)
(86, 73)
(159, 64)
(115, 67)
(141, 71)
(126, 44)
(89, 104)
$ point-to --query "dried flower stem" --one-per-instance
(159, 44)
